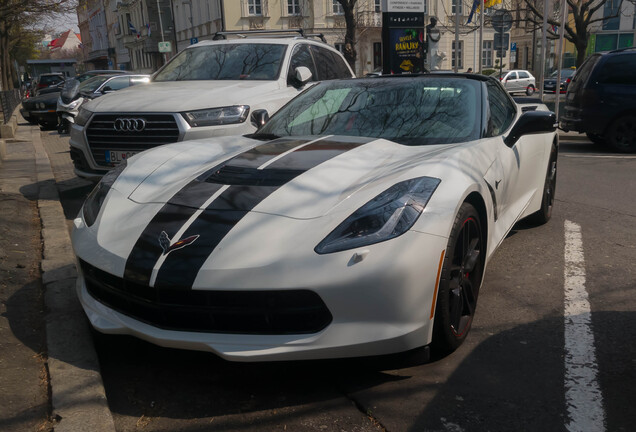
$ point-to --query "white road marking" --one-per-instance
(583, 397)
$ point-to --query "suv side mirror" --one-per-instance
(302, 75)
(259, 117)
(531, 122)
(107, 89)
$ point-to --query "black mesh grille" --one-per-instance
(102, 137)
(246, 312)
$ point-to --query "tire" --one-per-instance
(544, 214)
(530, 90)
(459, 285)
(596, 139)
(621, 134)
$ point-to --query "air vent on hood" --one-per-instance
(244, 176)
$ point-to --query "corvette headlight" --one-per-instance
(388, 215)
(83, 116)
(95, 199)
(217, 116)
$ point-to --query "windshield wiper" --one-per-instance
(262, 136)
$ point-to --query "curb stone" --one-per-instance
(77, 392)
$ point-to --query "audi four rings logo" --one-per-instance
(129, 124)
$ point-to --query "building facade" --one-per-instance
(125, 34)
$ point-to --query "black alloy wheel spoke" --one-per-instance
(469, 297)
(463, 276)
(456, 309)
(472, 256)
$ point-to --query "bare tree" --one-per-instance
(20, 14)
(580, 20)
(350, 54)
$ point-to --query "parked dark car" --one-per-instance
(601, 100)
(46, 80)
(549, 84)
(41, 110)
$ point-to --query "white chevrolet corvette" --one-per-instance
(358, 220)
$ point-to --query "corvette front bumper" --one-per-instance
(380, 305)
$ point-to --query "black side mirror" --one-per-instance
(259, 117)
(107, 89)
(531, 122)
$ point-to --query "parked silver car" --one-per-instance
(518, 81)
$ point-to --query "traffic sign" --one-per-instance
(501, 20)
(165, 47)
(501, 42)
(194, 40)
(513, 46)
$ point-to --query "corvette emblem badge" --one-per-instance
(164, 241)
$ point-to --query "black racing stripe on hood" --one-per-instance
(181, 267)
(185, 203)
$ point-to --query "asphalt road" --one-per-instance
(552, 346)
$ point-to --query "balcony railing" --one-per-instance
(369, 19)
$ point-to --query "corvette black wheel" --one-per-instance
(549, 190)
(459, 285)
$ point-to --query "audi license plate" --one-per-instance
(115, 156)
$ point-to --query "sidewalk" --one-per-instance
(77, 400)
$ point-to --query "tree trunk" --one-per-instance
(350, 54)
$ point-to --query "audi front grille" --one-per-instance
(129, 133)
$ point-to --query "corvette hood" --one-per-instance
(177, 96)
(300, 178)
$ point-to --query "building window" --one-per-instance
(460, 53)
(340, 47)
(255, 7)
(337, 8)
(486, 54)
(293, 7)
(460, 4)
(611, 8)
(378, 6)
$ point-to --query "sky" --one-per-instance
(67, 22)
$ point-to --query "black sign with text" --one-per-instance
(403, 39)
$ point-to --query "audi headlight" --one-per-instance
(388, 215)
(83, 116)
(95, 199)
(217, 116)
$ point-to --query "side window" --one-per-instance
(523, 75)
(512, 76)
(118, 83)
(618, 69)
(324, 63)
(502, 110)
(339, 66)
(301, 57)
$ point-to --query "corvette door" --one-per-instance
(514, 176)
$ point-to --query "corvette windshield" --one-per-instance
(254, 61)
(412, 111)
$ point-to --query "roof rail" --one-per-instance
(246, 33)
(623, 49)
